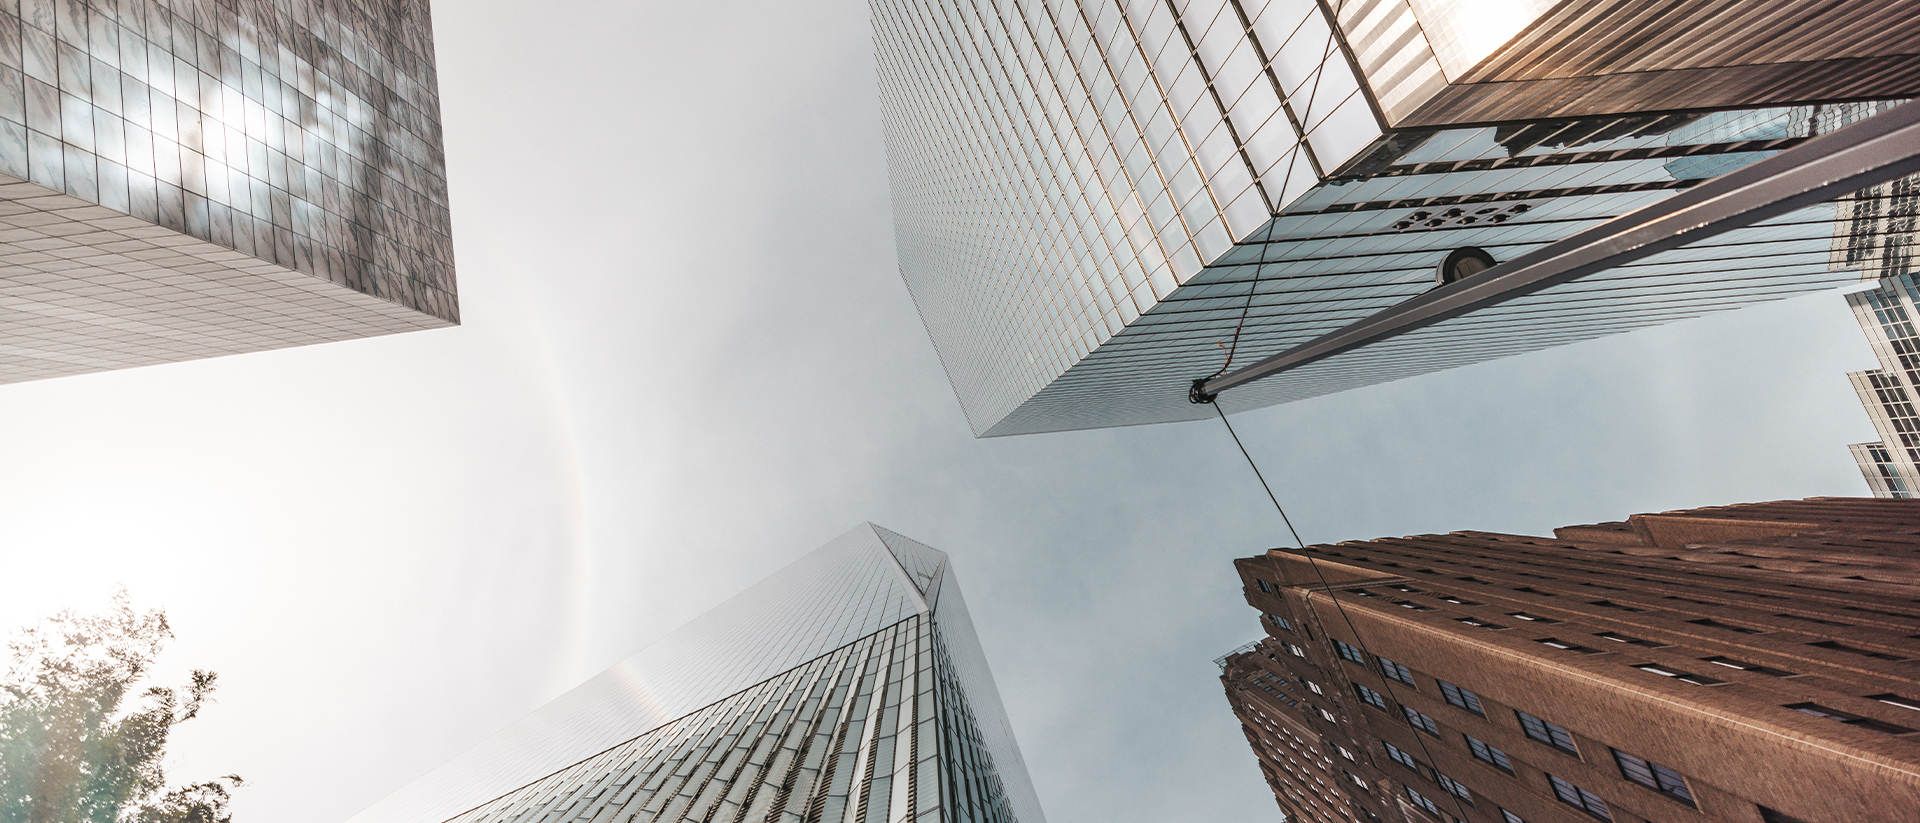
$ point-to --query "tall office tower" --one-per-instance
(183, 179)
(849, 687)
(1878, 240)
(1751, 663)
(1099, 201)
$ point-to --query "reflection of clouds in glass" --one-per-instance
(285, 134)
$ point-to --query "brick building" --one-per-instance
(1756, 663)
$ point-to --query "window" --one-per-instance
(1531, 617)
(1684, 677)
(1372, 697)
(1408, 604)
(1264, 585)
(1489, 754)
(1349, 652)
(1346, 754)
(1842, 647)
(1850, 719)
(1397, 755)
(1355, 778)
(1708, 621)
(1744, 666)
(1896, 700)
(1327, 715)
(1571, 647)
(1365, 593)
(1453, 787)
(1630, 640)
(1579, 798)
(1402, 587)
(1421, 721)
(1510, 817)
(1557, 643)
(1654, 776)
(1313, 687)
(1282, 622)
(1478, 623)
(1457, 601)
(1608, 604)
(1462, 697)
(1396, 671)
(1421, 801)
(1296, 651)
(1547, 733)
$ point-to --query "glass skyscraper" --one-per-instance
(183, 179)
(1099, 201)
(849, 687)
(1879, 242)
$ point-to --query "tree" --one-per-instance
(74, 748)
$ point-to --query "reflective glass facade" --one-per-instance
(1097, 202)
(184, 179)
(848, 687)
(1879, 242)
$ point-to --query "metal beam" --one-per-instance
(1874, 150)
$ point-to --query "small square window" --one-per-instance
(1612, 605)
(1842, 647)
(1397, 755)
(1548, 733)
(1313, 687)
(1420, 721)
(1264, 585)
(1684, 677)
(1282, 622)
(1579, 798)
(1896, 700)
(1850, 719)
(1408, 604)
(1630, 639)
(1478, 623)
(1326, 715)
(1349, 652)
(1557, 643)
(1463, 698)
(1396, 671)
(1490, 755)
(1533, 618)
(1510, 817)
(1654, 776)
(1453, 787)
(1372, 697)
(1744, 666)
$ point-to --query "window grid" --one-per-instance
(1372, 697)
(1489, 754)
(1579, 798)
(1548, 733)
(1454, 787)
(1462, 698)
(1420, 721)
(1396, 671)
(1654, 776)
(1397, 755)
(1349, 652)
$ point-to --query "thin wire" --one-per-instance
(1328, 588)
(1292, 158)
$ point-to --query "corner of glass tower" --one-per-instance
(1097, 202)
(848, 687)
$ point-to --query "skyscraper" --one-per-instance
(183, 179)
(1099, 201)
(1879, 241)
(849, 687)
(1746, 663)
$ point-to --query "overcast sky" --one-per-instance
(688, 358)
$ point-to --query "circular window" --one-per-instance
(1464, 262)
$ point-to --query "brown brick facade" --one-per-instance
(1752, 663)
